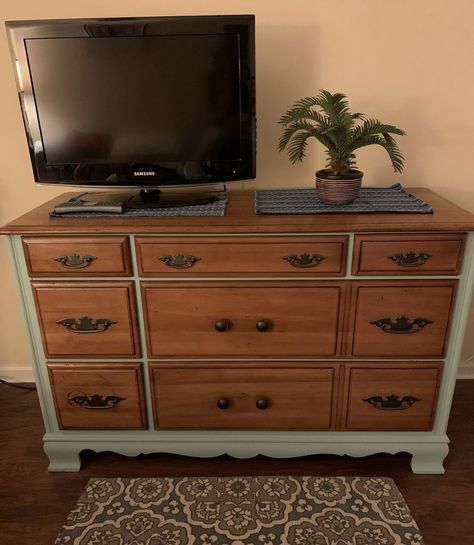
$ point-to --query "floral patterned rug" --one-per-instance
(241, 511)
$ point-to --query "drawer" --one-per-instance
(98, 396)
(87, 319)
(242, 396)
(400, 318)
(208, 256)
(407, 254)
(243, 319)
(77, 256)
(391, 397)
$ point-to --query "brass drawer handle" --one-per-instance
(392, 402)
(410, 259)
(222, 325)
(95, 401)
(262, 404)
(304, 260)
(401, 324)
(179, 261)
(86, 324)
(263, 325)
(75, 261)
(223, 403)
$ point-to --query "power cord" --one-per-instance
(21, 386)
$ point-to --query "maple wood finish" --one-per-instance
(303, 319)
(375, 304)
(240, 256)
(113, 301)
(96, 256)
(119, 386)
(419, 254)
(239, 396)
(364, 383)
(240, 217)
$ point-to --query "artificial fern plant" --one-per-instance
(327, 118)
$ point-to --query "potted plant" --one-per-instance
(327, 118)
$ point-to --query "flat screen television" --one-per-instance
(137, 102)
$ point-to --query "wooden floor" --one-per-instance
(34, 503)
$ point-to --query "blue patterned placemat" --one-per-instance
(370, 200)
(216, 208)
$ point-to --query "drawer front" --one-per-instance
(242, 397)
(238, 319)
(400, 318)
(86, 319)
(208, 256)
(407, 254)
(98, 396)
(77, 256)
(386, 397)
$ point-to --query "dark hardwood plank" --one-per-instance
(34, 503)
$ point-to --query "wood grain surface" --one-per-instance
(124, 380)
(240, 217)
(98, 300)
(298, 397)
(243, 255)
(304, 317)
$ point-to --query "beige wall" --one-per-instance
(408, 62)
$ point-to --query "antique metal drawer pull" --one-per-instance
(304, 260)
(75, 261)
(262, 404)
(222, 325)
(401, 324)
(392, 402)
(95, 401)
(86, 324)
(263, 325)
(179, 261)
(223, 403)
(410, 259)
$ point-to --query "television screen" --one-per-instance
(138, 101)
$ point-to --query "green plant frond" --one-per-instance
(302, 125)
(398, 161)
(333, 105)
(371, 127)
(390, 146)
(298, 114)
(297, 146)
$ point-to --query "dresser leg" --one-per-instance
(62, 456)
(429, 458)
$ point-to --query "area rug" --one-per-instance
(241, 511)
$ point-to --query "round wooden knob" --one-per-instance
(262, 404)
(222, 325)
(223, 403)
(263, 325)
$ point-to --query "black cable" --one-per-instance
(17, 385)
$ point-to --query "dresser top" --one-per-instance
(240, 217)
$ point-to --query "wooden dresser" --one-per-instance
(275, 335)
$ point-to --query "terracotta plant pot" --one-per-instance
(338, 188)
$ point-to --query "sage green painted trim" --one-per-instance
(142, 332)
(427, 456)
(33, 332)
(458, 326)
